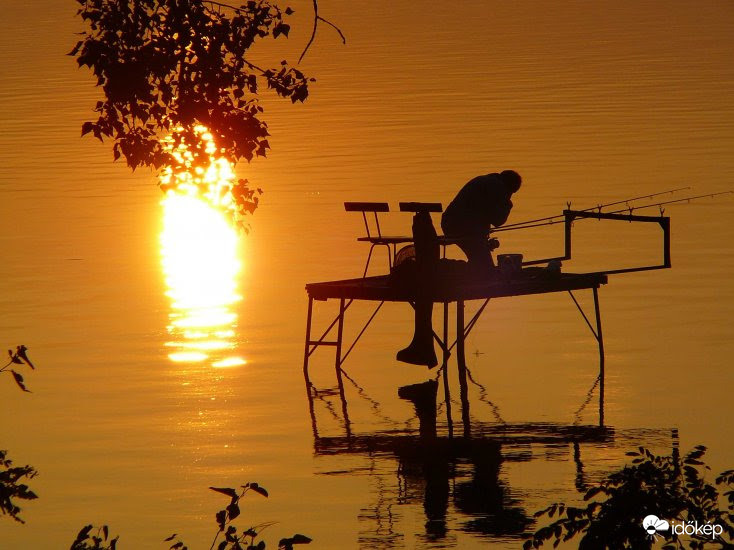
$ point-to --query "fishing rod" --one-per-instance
(707, 195)
(598, 207)
(560, 218)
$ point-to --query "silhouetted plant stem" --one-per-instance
(234, 540)
(18, 357)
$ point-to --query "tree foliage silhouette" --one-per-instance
(167, 67)
(667, 486)
(12, 486)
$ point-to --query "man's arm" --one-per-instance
(501, 212)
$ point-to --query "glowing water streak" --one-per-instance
(200, 258)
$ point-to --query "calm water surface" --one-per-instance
(167, 364)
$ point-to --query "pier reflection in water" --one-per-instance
(201, 264)
(461, 486)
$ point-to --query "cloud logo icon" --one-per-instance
(654, 525)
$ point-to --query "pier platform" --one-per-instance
(384, 288)
(448, 286)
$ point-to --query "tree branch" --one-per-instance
(316, 19)
(333, 26)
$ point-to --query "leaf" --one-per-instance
(84, 533)
(87, 127)
(21, 352)
(105, 532)
(300, 539)
(221, 518)
(19, 381)
(170, 538)
(260, 490)
(225, 491)
(281, 29)
(75, 49)
(233, 511)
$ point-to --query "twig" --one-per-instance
(333, 26)
(316, 19)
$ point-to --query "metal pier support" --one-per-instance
(310, 347)
(598, 335)
(445, 370)
(307, 351)
(461, 364)
(600, 340)
(338, 366)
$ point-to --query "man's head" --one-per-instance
(512, 180)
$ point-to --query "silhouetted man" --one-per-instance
(483, 203)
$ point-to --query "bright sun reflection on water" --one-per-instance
(201, 265)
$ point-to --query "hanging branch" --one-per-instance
(316, 19)
(167, 68)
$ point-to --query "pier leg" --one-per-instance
(461, 363)
(445, 368)
(306, 353)
(600, 340)
(338, 365)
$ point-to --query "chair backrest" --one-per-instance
(421, 207)
(365, 207)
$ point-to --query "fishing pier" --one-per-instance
(529, 279)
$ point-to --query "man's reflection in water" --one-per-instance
(456, 479)
(427, 462)
(432, 462)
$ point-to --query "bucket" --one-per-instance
(509, 263)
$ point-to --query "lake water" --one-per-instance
(167, 364)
